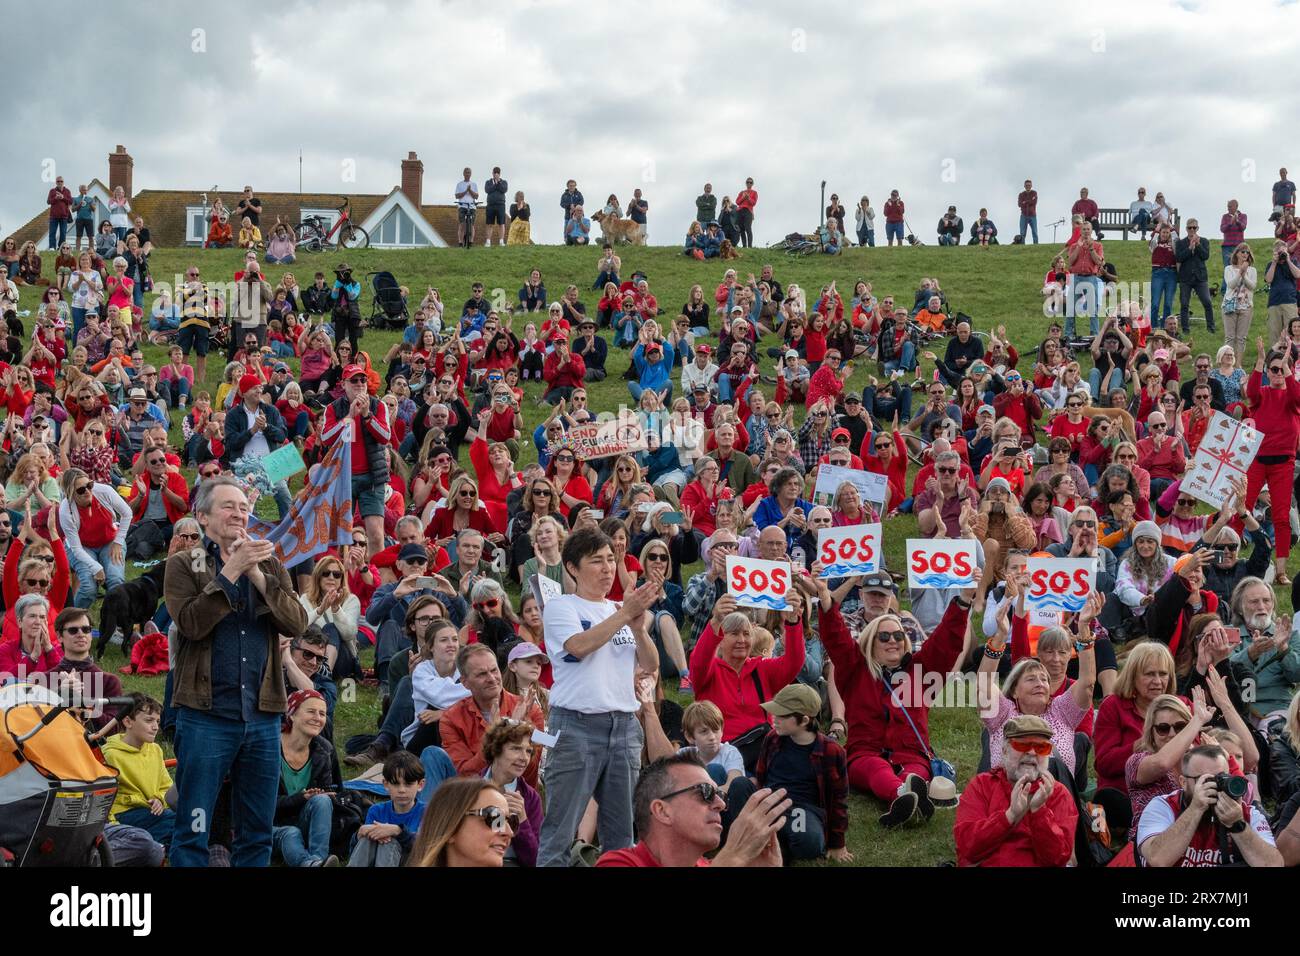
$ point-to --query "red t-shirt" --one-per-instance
(633, 565)
(638, 855)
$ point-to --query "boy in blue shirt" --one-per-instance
(390, 827)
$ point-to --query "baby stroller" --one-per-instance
(54, 794)
(387, 308)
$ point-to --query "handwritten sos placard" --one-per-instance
(754, 582)
(941, 562)
(1060, 584)
(853, 549)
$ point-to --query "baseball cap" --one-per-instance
(280, 367)
(791, 354)
(247, 382)
(986, 410)
(1162, 354)
(853, 397)
(1026, 725)
(523, 650)
(704, 349)
(353, 370)
(840, 431)
(737, 310)
(978, 368)
(879, 581)
(413, 550)
(794, 699)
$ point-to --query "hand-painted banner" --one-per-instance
(941, 562)
(622, 436)
(871, 486)
(1060, 584)
(1223, 456)
(852, 549)
(321, 516)
(754, 582)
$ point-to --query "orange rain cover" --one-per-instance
(59, 750)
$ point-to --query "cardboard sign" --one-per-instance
(852, 549)
(544, 589)
(941, 562)
(1223, 456)
(871, 486)
(283, 463)
(622, 436)
(754, 582)
(1060, 584)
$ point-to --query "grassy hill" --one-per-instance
(995, 286)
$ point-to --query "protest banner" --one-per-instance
(852, 549)
(1223, 456)
(1060, 584)
(754, 582)
(871, 486)
(621, 436)
(941, 562)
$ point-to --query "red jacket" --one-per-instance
(1044, 837)
(735, 694)
(568, 375)
(825, 383)
(1023, 409)
(1118, 728)
(1276, 412)
(1168, 461)
(896, 470)
(747, 199)
(463, 727)
(875, 722)
(176, 482)
(893, 210)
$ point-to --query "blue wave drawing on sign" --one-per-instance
(763, 600)
(1060, 602)
(844, 569)
(936, 580)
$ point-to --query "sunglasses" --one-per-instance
(1277, 370)
(496, 818)
(332, 574)
(541, 492)
(81, 489)
(1165, 729)
(95, 431)
(70, 629)
(210, 473)
(188, 535)
(41, 583)
(1074, 404)
(884, 445)
(1043, 748)
(564, 458)
(1234, 548)
(946, 471)
(889, 637)
(841, 441)
(707, 792)
(1086, 525)
(415, 561)
(1187, 502)
(467, 493)
(1158, 427)
(491, 604)
(657, 557)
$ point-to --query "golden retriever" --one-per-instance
(618, 230)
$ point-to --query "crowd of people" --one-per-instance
(537, 627)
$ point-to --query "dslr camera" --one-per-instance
(1234, 787)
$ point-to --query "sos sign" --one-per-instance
(941, 562)
(1060, 584)
(754, 582)
(853, 549)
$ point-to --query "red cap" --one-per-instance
(558, 336)
(248, 381)
(352, 371)
(704, 350)
(840, 431)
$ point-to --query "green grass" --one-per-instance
(995, 286)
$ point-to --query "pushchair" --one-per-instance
(387, 308)
(54, 794)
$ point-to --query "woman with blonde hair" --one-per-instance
(616, 492)
(1239, 281)
(520, 232)
(30, 484)
(332, 606)
(461, 509)
(1147, 672)
(467, 823)
(547, 535)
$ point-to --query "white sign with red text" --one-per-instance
(941, 562)
(1223, 456)
(754, 582)
(1060, 584)
(852, 549)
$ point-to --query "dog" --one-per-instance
(129, 606)
(614, 229)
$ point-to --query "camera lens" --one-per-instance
(1234, 787)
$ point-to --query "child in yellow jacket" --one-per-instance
(143, 784)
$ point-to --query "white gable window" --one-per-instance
(397, 229)
(328, 216)
(196, 225)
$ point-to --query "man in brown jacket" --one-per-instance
(231, 601)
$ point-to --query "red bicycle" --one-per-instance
(315, 234)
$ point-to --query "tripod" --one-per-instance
(1056, 225)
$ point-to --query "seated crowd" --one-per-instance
(535, 627)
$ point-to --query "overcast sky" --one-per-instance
(946, 102)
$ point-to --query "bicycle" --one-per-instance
(467, 215)
(314, 235)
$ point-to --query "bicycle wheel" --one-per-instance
(308, 236)
(353, 237)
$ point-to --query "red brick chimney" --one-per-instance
(120, 165)
(412, 178)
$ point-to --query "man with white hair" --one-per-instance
(940, 506)
(1228, 570)
(1268, 655)
(1017, 814)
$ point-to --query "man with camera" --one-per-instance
(466, 196)
(1282, 276)
(1206, 823)
(345, 313)
(253, 297)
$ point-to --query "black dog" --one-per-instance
(129, 606)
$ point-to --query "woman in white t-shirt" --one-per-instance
(595, 647)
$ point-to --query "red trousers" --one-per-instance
(880, 777)
(1279, 478)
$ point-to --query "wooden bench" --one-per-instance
(1117, 220)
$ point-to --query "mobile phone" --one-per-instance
(1234, 635)
(672, 517)
(425, 582)
(596, 513)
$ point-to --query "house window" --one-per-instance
(328, 216)
(398, 229)
(196, 225)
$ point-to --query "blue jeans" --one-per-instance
(87, 588)
(866, 237)
(636, 388)
(1114, 380)
(208, 749)
(947, 239)
(174, 389)
(885, 405)
(1032, 223)
(159, 827)
(1086, 300)
(1163, 283)
(906, 359)
(894, 230)
(1227, 254)
(58, 232)
(1142, 221)
(307, 841)
(78, 323)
